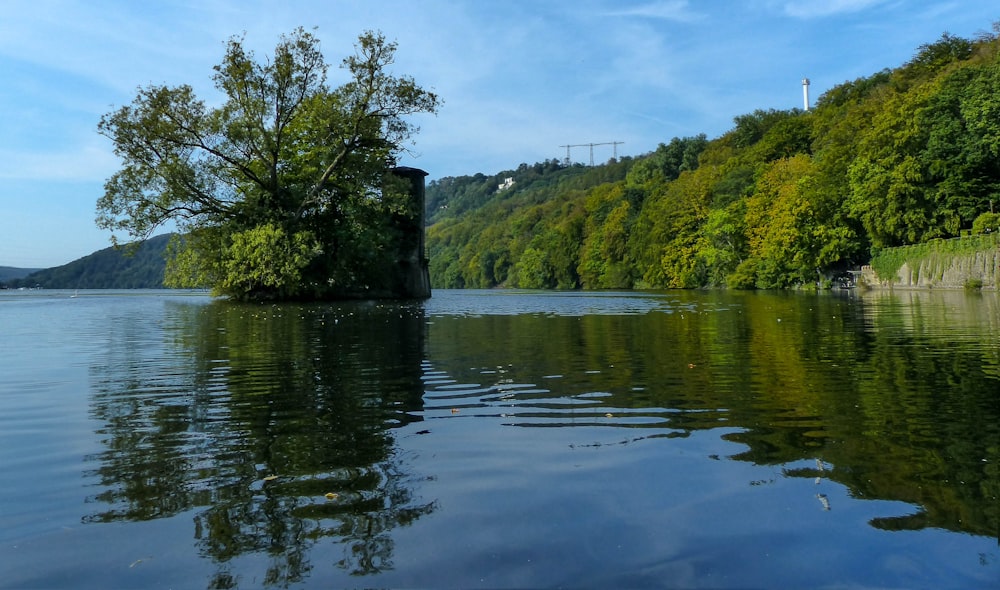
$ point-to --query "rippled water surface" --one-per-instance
(501, 439)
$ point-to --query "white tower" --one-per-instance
(805, 92)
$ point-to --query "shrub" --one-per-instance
(986, 223)
(973, 284)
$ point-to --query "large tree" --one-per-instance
(281, 191)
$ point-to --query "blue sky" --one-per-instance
(519, 78)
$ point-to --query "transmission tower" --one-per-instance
(615, 145)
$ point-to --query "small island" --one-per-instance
(287, 190)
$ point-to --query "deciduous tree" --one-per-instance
(282, 189)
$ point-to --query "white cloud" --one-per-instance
(674, 10)
(821, 8)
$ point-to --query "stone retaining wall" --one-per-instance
(941, 271)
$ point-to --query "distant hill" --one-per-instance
(110, 268)
(10, 272)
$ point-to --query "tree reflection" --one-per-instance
(271, 426)
(895, 393)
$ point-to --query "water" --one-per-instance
(501, 439)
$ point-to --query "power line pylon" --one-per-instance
(615, 144)
(569, 161)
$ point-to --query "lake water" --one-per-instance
(501, 439)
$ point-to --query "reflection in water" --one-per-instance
(897, 405)
(272, 426)
(930, 404)
(273, 430)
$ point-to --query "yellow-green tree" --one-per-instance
(792, 237)
(605, 262)
(670, 223)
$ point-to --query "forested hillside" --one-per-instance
(9, 272)
(783, 199)
(110, 268)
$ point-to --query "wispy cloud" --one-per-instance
(821, 8)
(674, 10)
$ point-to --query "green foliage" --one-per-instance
(785, 199)
(285, 162)
(533, 270)
(852, 93)
(794, 234)
(932, 57)
(450, 197)
(963, 144)
(604, 254)
(752, 127)
(777, 219)
(542, 213)
(986, 223)
(669, 160)
(266, 259)
(789, 133)
(671, 221)
(722, 245)
(973, 284)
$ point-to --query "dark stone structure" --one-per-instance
(413, 279)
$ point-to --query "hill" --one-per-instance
(10, 272)
(110, 268)
(450, 197)
(786, 198)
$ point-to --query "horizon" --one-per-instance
(519, 80)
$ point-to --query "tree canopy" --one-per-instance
(281, 191)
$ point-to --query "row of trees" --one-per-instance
(784, 198)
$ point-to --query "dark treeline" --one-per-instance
(139, 266)
(11, 272)
(783, 199)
